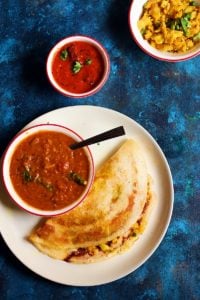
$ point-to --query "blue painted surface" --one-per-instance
(162, 97)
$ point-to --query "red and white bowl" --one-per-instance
(135, 12)
(80, 38)
(7, 161)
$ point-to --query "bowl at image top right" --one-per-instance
(167, 30)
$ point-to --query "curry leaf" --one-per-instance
(47, 186)
(26, 176)
(77, 178)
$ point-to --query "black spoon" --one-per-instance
(115, 132)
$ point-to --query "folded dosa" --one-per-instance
(117, 200)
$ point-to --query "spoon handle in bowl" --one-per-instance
(115, 132)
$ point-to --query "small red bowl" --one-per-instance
(68, 40)
(7, 161)
(135, 12)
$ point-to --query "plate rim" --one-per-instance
(169, 215)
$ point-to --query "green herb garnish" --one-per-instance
(174, 24)
(88, 61)
(143, 31)
(180, 24)
(185, 22)
(194, 3)
(77, 178)
(26, 175)
(64, 54)
(76, 67)
(196, 37)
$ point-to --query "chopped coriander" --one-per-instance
(88, 61)
(143, 31)
(180, 24)
(188, 16)
(173, 25)
(77, 178)
(76, 67)
(184, 24)
(194, 3)
(196, 38)
(64, 54)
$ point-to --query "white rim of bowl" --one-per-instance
(70, 39)
(189, 56)
(5, 169)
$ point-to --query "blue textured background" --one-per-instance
(162, 97)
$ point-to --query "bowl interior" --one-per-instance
(135, 12)
(68, 40)
(6, 168)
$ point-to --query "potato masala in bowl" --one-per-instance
(171, 25)
(167, 30)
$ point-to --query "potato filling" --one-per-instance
(132, 235)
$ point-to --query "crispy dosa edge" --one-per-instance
(57, 251)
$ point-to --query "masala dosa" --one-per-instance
(120, 197)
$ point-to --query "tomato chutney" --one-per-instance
(78, 67)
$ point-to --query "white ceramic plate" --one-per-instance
(16, 224)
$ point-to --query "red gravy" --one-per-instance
(78, 67)
(46, 173)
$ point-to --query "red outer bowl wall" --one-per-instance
(149, 53)
(105, 76)
(30, 211)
